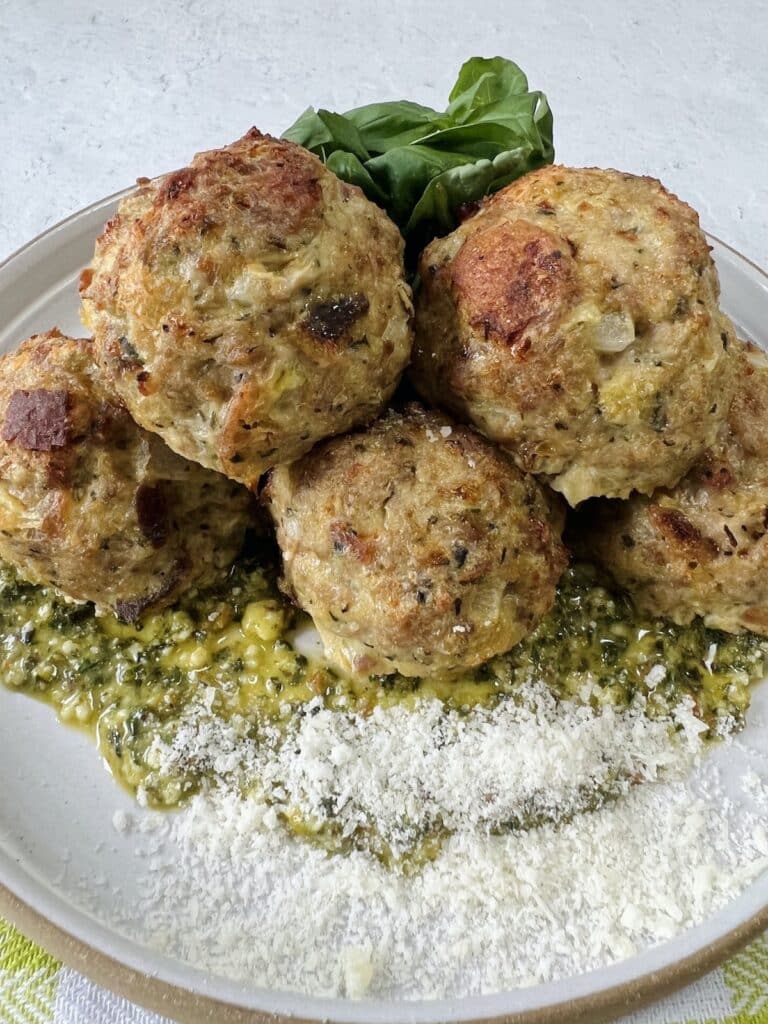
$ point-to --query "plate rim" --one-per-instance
(184, 1004)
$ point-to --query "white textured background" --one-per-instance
(94, 94)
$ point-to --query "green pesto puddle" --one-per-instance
(130, 685)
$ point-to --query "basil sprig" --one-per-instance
(423, 166)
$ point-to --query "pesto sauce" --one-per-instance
(130, 684)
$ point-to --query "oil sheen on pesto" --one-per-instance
(130, 684)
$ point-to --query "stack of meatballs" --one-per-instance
(251, 322)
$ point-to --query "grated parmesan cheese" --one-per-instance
(121, 821)
(229, 890)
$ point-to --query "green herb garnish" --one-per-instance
(423, 166)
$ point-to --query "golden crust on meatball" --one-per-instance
(92, 504)
(249, 305)
(416, 546)
(700, 548)
(574, 319)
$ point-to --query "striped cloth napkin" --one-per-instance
(36, 989)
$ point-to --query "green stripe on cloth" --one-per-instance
(27, 980)
(746, 975)
(29, 985)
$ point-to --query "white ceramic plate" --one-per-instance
(57, 802)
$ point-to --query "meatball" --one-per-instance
(249, 305)
(700, 548)
(416, 546)
(91, 503)
(574, 319)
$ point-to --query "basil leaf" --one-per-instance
(348, 167)
(403, 173)
(483, 81)
(525, 122)
(344, 134)
(422, 166)
(384, 126)
(460, 186)
(309, 131)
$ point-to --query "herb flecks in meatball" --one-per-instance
(574, 319)
(700, 548)
(92, 503)
(249, 305)
(416, 546)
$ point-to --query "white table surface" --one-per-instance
(93, 94)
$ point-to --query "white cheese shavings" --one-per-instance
(403, 771)
(229, 890)
(358, 970)
(121, 821)
(399, 772)
(655, 676)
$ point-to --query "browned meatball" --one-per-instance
(700, 548)
(575, 321)
(249, 305)
(416, 546)
(91, 503)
